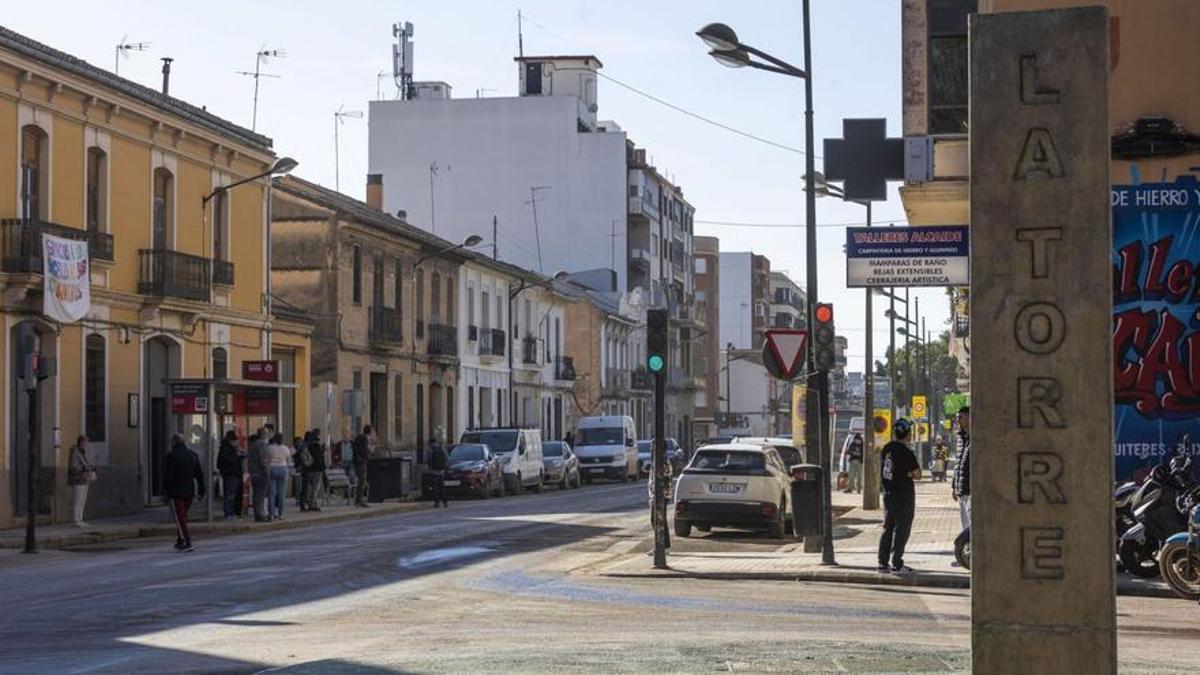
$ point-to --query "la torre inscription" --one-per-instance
(1040, 328)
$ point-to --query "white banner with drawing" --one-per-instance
(67, 290)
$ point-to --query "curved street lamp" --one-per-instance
(282, 166)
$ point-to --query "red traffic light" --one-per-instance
(823, 312)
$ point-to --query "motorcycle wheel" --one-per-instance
(1173, 563)
(962, 553)
(1138, 559)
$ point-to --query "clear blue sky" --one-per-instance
(335, 50)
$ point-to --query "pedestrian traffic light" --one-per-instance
(824, 354)
(656, 340)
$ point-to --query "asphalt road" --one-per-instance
(484, 586)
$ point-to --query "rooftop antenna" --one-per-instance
(520, 37)
(434, 170)
(263, 56)
(122, 51)
(402, 58)
(537, 235)
(379, 78)
(339, 117)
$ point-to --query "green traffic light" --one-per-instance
(656, 363)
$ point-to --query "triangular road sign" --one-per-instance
(786, 348)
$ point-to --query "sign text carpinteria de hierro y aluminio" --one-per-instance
(907, 256)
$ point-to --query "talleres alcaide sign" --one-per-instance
(1156, 321)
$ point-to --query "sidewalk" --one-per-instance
(157, 522)
(856, 533)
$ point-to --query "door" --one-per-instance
(379, 405)
(158, 444)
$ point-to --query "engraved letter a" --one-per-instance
(1039, 157)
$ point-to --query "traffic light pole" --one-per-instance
(31, 475)
(660, 457)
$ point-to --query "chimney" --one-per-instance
(166, 75)
(375, 191)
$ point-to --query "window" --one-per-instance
(470, 407)
(398, 409)
(356, 281)
(528, 318)
(420, 290)
(96, 188)
(377, 280)
(164, 207)
(435, 298)
(533, 79)
(449, 431)
(220, 220)
(398, 286)
(948, 65)
(701, 266)
(94, 389)
(220, 363)
(420, 416)
(357, 387)
(485, 317)
(471, 305)
(701, 297)
(34, 173)
(450, 318)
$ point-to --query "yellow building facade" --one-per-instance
(179, 287)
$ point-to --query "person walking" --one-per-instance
(312, 463)
(438, 461)
(256, 462)
(229, 465)
(362, 453)
(960, 487)
(279, 467)
(183, 481)
(80, 475)
(898, 469)
(941, 457)
(852, 463)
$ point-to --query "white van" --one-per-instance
(607, 448)
(520, 452)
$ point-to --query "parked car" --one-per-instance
(606, 448)
(733, 485)
(646, 459)
(520, 452)
(789, 453)
(562, 466)
(474, 469)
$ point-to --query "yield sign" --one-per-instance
(783, 353)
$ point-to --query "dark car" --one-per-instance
(474, 469)
(562, 466)
(645, 459)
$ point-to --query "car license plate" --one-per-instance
(725, 488)
(453, 483)
(596, 470)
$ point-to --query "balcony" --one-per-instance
(491, 342)
(641, 380)
(385, 325)
(643, 206)
(529, 350)
(222, 273)
(564, 369)
(472, 333)
(616, 380)
(21, 241)
(172, 274)
(639, 258)
(443, 340)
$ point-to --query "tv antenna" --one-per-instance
(435, 169)
(261, 58)
(122, 51)
(534, 198)
(379, 78)
(402, 58)
(339, 117)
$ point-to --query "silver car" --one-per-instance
(562, 466)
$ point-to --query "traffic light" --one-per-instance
(656, 340)
(823, 336)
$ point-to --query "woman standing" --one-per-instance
(279, 466)
(80, 474)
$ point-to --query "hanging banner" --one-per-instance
(1156, 333)
(927, 255)
(66, 293)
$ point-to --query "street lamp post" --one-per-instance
(729, 51)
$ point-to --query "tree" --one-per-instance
(943, 370)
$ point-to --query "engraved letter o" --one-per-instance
(1040, 328)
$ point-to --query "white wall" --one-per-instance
(737, 325)
(751, 393)
(474, 372)
(490, 152)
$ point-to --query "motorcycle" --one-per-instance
(1156, 514)
(1179, 558)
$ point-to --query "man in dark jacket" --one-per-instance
(438, 462)
(312, 467)
(961, 486)
(229, 465)
(183, 479)
(362, 453)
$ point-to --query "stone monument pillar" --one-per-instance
(1041, 311)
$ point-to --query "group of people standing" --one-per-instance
(269, 462)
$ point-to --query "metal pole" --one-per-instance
(660, 505)
(908, 387)
(254, 115)
(34, 459)
(892, 370)
(495, 236)
(870, 468)
(337, 161)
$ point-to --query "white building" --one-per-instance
(539, 164)
(745, 282)
(484, 345)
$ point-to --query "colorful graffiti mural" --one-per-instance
(1156, 320)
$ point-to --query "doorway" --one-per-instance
(379, 407)
(161, 360)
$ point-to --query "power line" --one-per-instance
(730, 223)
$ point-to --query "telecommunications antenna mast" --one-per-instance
(122, 51)
(261, 58)
(402, 59)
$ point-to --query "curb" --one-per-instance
(204, 527)
(857, 576)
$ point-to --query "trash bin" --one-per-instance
(807, 500)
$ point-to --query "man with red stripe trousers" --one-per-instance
(183, 479)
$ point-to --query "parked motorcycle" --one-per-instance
(1156, 513)
(1179, 558)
